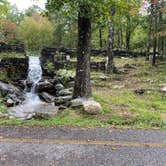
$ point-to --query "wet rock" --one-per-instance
(54, 81)
(65, 92)
(46, 97)
(29, 83)
(45, 86)
(21, 84)
(62, 100)
(29, 117)
(92, 107)
(59, 87)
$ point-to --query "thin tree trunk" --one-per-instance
(128, 32)
(100, 34)
(110, 64)
(121, 37)
(149, 37)
(155, 34)
(118, 38)
(82, 86)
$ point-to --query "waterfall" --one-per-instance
(34, 76)
(32, 103)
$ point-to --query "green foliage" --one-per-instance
(34, 32)
(50, 66)
(65, 75)
(11, 55)
(3, 109)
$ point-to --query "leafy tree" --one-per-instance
(35, 32)
(86, 9)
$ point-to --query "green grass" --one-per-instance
(122, 108)
(11, 55)
(3, 109)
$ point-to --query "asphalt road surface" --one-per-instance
(24, 146)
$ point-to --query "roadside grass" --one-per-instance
(122, 108)
(3, 109)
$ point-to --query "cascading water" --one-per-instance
(34, 76)
(32, 103)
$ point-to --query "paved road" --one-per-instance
(81, 147)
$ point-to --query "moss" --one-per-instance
(11, 55)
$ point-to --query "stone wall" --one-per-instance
(14, 68)
(58, 58)
(18, 48)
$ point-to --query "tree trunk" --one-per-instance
(155, 34)
(82, 86)
(100, 34)
(128, 32)
(118, 38)
(149, 37)
(110, 64)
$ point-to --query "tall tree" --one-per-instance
(155, 5)
(84, 10)
(110, 52)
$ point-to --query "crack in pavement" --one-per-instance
(82, 142)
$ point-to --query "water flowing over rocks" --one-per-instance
(33, 107)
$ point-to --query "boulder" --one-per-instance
(8, 89)
(10, 103)
(13, 95)
(62, 100)
(47, 112)
(45, 86)
(65, 92)
(78, 102)
(59, 87)
(92, 107)
(46, 97)
(70, 84)
(163, 89)
(29, 84)
(87, 105)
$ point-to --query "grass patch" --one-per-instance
(3, 109)
(121, 106)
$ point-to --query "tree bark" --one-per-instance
(82, 86)
(155, 34)
(128, 32)
(100, 34)
(149, 37)
(110, 64)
